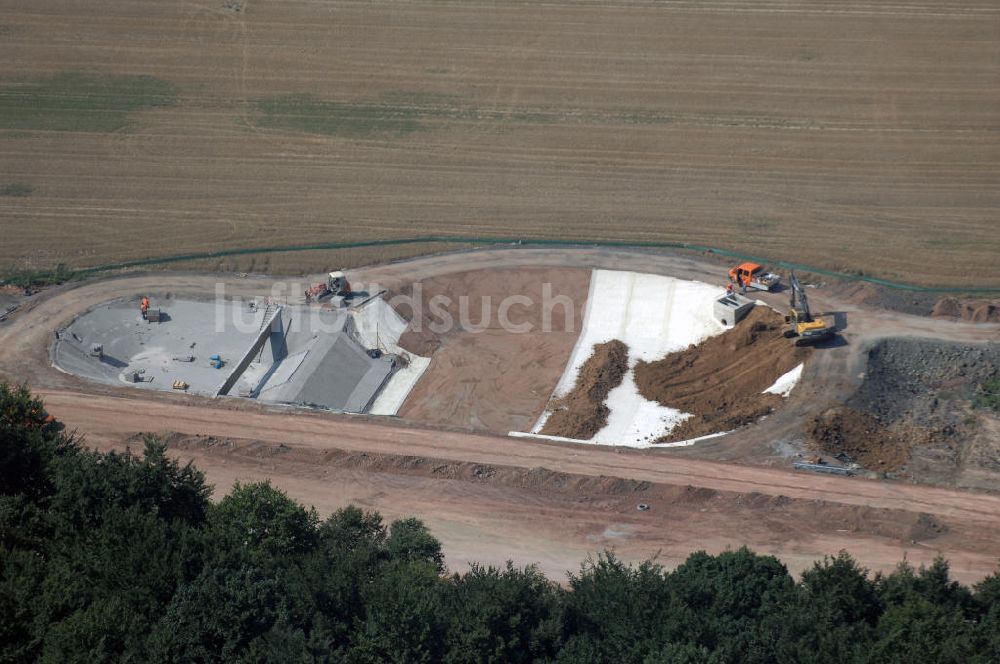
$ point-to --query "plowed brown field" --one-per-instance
(851, 135)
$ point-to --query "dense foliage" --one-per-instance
(123, 557)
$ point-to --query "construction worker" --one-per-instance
(144, 306)
(729, 289)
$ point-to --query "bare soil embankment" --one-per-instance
(582, 413)
(498, 339)
(720, 381)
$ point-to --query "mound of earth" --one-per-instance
(720, 381)
(914, 411)
(973, 311)
(861, 437)
(582, 413)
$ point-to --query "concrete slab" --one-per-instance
(308, 356)
(133, 344)
(336, 374)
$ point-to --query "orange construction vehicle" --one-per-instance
(336, 285)
(753, 275)
(144, 306)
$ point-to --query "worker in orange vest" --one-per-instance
(144, 307)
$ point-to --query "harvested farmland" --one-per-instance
(720, 381)
(613, 120)
(582, 413)
(79, 101)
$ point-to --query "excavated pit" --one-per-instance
(721, 380)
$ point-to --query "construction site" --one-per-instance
(336, 350)
(554, 278)
(523, 380)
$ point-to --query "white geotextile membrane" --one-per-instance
(784, 385)
(653, 315)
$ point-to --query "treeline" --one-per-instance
(122, 557)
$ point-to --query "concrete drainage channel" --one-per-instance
(337, 359)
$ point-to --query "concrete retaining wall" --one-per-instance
(273, 325)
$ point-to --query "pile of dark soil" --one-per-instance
(973, 311)
(916, 399)
(720, 380)
(861, 437)
(582, 413)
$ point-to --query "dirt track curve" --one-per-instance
(504, 504)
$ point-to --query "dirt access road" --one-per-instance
(502, 505)
(525, 500)
(857, 136)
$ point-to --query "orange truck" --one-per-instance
(753, 275)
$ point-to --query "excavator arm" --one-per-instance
(800, 294)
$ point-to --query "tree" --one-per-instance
(260, 523)
(218, 616)
(122, 557)
(28, 443)
(920, 631)
(87, 484)
(105, 589)
(405, 616)
(507, 615)
(350, 529)
(832, 615)
(409, 540)
(726, 599)
(931, 583)
(616, 612)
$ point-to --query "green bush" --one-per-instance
(988, 396)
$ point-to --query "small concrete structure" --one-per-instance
(732, 308)
(153, 315)
(822, 468)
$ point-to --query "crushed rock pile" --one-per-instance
(581, 413)
(720, 380)
(916, 397)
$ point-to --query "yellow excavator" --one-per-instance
(806, 328)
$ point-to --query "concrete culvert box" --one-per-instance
(732, 308)
(153, 315)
